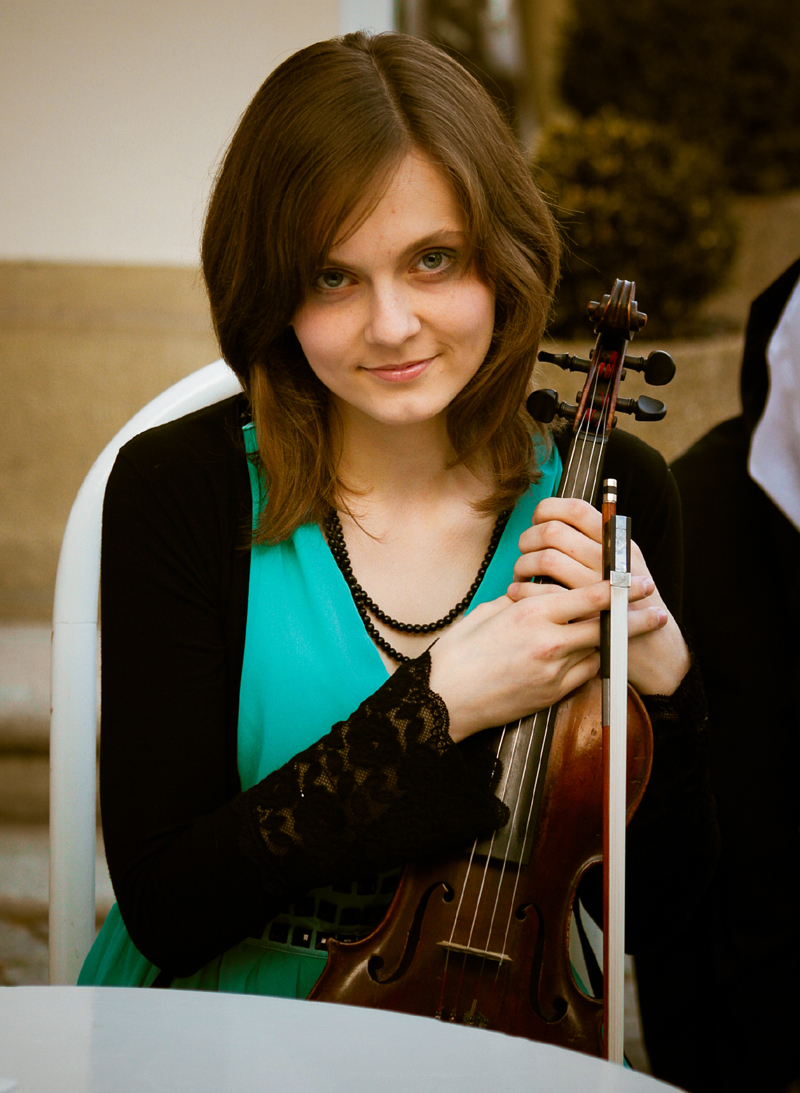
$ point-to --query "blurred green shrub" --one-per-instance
(635, 202)
(725, 73)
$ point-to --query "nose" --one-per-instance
(392, 318)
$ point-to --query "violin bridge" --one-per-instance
(470, 950)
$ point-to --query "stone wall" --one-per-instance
(82, 348)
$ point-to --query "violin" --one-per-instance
(482, 937)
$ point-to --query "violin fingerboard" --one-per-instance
(524, 749)
(581, 475)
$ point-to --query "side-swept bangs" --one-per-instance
(314, 150)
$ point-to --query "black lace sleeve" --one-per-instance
(382, 787)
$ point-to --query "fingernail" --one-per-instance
(649, 585)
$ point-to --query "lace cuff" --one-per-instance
(386, 785)
(687, 706)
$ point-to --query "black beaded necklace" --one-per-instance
(364, 603)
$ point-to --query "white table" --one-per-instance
(111, 1040)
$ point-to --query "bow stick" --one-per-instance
(614, 674)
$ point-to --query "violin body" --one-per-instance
(484, 941)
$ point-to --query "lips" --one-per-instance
(401, 373)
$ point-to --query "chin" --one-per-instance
(408, 415)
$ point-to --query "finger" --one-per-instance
(577, 603)
(581, 672)
(638, 564)
(568, 571)
(580, 669)
(561, 536)
(573, 511)
(521, 590)
(569, 607)
(646, 620)
(641, 588)
(486, 610)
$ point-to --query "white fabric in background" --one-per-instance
(775, 448)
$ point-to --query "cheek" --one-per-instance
(318, 336)
(472, 315)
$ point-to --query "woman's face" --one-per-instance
(397, 322)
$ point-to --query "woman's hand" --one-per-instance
(530, 648)
(507, 659)
(511, 657)
(564, 542)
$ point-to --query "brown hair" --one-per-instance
(327, 129)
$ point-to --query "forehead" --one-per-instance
(415, 202)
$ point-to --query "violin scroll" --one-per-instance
(616, 318)
(617, 312)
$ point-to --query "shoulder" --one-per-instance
(718, 461)
(716, 490)
(185, 481)
(205, 438)
(189, 456)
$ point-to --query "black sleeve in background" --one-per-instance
(673, 842)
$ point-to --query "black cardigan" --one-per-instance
(193, 870)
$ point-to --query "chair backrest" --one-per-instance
(73, 720)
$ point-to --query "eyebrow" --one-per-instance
(442, 237)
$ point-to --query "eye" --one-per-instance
(332, 279)
(435, 260)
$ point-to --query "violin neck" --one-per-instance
(581, 475)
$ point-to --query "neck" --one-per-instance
(384, 465)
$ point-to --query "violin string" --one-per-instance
(474, 848)
(586, 430)
(602, 422)
(483, 878)
(448, 950)
(582, 441)
(587, 492)
(584, 433)
(578, 448)
(539, 772)
(464, 885)
(526, 832)
(511, 825)
(499, 885)
(504, 866)
(591, 472)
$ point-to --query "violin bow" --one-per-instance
(614, 674)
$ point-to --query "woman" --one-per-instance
(379, 266)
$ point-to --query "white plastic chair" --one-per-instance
(73, 719)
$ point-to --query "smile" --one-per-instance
(401, 373)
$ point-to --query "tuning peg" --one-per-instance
(658, 367)
(565, 361)
(644, 408)
(543, 405)
(596, 309)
